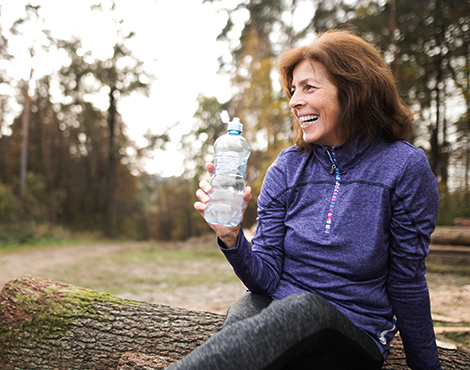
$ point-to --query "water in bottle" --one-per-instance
(231, 152)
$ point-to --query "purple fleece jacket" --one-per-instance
(352, 225)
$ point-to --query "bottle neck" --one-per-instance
(234, 132)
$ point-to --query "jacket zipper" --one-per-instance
(334, 170)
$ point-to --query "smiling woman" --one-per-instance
(336, 266)
(369, 103)
(315, 103)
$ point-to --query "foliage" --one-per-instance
(258, 102)
(25, 222)
(74, 148)
(83, 172)
(453, 204)
(14, 227)
(198, 143)
(428, 46)
(169, 213)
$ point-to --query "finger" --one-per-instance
(210, 168)
(205, 186)
(246, 200)
(200, 207)
(202, 196)
(247, 196)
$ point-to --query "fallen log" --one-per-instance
(48, 324)
(462, 222)
(451, 235)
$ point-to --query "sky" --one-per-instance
(175, 38)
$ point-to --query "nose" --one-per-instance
(296, 100)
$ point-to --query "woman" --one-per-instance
(343, 229)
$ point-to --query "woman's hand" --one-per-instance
(228, 235)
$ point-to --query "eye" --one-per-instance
(309, 87)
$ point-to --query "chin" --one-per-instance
(311, 140)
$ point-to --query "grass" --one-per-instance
(58, 239)
(197, 267)
(459, 270)
(150, 268)
(450, 271)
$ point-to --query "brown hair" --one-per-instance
(371, 106)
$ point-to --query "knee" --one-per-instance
(248, 305)
(308, 301)
(309, 308)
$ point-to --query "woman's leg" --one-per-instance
(246, 306)
(288, 334)
(333, 342)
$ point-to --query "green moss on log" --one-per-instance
(47, 309)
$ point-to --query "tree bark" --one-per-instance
(47, 324)
(111, 170)
(451, 235)
(24, 136)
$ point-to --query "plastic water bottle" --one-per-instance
(231, 152)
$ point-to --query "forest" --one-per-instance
(68, 165)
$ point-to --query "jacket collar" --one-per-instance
(346, 156)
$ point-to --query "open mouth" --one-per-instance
(308, 120)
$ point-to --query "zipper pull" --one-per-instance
(333, 162)
(333, 168)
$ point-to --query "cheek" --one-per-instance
(333, 108)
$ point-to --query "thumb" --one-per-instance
(210, 168)
(247, 197)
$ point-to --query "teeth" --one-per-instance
(305, 120)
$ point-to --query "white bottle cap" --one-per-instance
(235, 124)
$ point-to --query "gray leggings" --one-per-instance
(302, 331)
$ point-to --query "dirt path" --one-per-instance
(37, 261)
(450, 295)
(41, 261)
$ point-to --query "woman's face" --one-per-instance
(315, 103)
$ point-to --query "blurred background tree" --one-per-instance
(427, 44)
(83, 173)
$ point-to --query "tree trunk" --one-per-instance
(46, 140)
(394, 29)
(24, 136)
(451, 235)
(111, 170)
(47, 324)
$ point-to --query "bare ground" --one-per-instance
(450, 293)
(47, 261)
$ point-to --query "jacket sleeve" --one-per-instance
(414, 211)
(260, 266)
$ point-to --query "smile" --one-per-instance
(307, 120)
